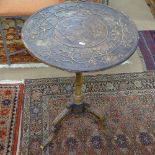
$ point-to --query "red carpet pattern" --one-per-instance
(10, 110)
(14, 43)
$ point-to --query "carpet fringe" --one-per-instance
(11, 81)
(31, 65)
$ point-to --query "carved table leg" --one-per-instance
(100, 120)
(55, 125)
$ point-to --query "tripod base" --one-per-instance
(75, 109)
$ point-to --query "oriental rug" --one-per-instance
(12, 32)
(10, 110)
(126, 101)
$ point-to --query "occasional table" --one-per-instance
(79, 37)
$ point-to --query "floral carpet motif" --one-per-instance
(10, 110)
(126, 101)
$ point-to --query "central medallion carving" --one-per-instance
(81, 31)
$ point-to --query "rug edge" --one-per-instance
(18, 119)
(28, 82)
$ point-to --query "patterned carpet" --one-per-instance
(147, 48)
(10, 110)
(12, 30)
(127, 101)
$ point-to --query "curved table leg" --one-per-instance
(102, 126)
(55, 125)
(75, 109)
(100, 120)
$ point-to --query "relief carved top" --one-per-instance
(80, 37)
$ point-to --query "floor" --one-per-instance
(137, 10)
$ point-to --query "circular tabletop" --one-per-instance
(80, 37)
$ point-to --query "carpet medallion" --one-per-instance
(10, 108)
(127, 101)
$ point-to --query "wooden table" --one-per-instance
(80, 37)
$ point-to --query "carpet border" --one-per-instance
(18, 119)
(17, 115)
